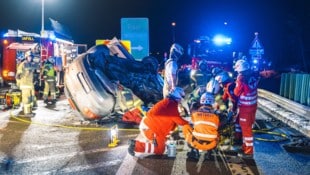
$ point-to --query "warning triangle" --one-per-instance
(256, 43)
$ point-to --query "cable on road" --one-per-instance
(282, 137)
(69, 127)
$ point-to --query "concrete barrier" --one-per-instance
(293, 114)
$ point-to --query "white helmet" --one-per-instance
(213, 86)
(216, 71)
(223, 77)
(241, 65)
(178, 93)
(207, 99)
(51, 60)
(28, 53)
(176, 51)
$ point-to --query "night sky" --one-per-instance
(283, 25)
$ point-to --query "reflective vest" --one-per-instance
(206, 124)
(49, 72)
(246, 90)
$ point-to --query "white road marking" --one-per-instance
(127, 165)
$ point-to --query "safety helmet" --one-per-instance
(51, 60)
(241, 65)
(28, 53)
(222, 77)
(203, 65)
(213, 86)
(176, 51)
(216, 71)
(177, 93)
(207, 99)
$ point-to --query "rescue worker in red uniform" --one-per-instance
(171, 68)
(160, 120)
(246, 91)
(204, 134)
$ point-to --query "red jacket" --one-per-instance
(246, 89)
(163, 117)
(228, 92)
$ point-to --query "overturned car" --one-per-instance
(100, 83)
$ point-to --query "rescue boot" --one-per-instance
(193, 154)
(245, 156)
(208, 155)
(45, 101)
(131, 147)
(54, 101)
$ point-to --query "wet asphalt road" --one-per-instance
(55, 141)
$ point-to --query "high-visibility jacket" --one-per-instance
(246, 90)
(204, 134)
(24, 74)
(49, 73)
(160, 120)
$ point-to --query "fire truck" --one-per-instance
(15, 43)
(214, 52)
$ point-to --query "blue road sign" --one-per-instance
(137, 31)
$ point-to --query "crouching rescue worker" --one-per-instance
(204, 134)
(160, 120)
(246, 91)
(49, 76)
(24, 80)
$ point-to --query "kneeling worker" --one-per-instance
(160, 120)
(204, 134)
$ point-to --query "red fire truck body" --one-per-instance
(16, 43)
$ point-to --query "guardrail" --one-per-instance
(296, 86)
(292, 113)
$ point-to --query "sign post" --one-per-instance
(136, 30)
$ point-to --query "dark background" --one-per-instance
(283, 25)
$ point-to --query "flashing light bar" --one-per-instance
(221, 40)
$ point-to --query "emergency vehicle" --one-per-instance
(15, 43)
(211, 51)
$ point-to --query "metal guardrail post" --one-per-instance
(305, 89)
(291, 89)
(286, 85)
(298, 87)
(282, 84)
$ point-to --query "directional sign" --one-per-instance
(137, 31)
(256, 51)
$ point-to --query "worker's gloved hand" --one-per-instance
(19, 76)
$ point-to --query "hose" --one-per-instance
(69, 127)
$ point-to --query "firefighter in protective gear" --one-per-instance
(246, 91)
(24, 80)
(201, 76)
(49, 76)
(204, 134)
(171, 68)
(160, 120)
